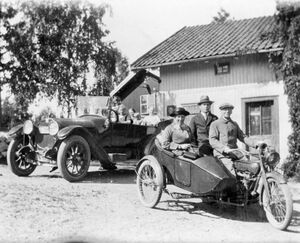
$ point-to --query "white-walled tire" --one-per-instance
(279, 206)
(150, 182)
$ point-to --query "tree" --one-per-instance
(122, 70)
(54, 46)
(287, 62)
(222, 16)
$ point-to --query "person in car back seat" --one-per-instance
(177, 136)
(152, 119)
(123, 115)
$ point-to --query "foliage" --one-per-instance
(14, 113)
(288, 63)
(53, 46)
(222, 16)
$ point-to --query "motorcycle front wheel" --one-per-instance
(278, 206)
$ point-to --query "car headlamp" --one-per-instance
(28, 127)
(273, 159)
(53, 127)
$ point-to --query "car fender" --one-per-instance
(96, 149)
(275, 175)
(16, 131)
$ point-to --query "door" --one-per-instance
(261, 120)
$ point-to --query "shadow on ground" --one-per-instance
(253, 213)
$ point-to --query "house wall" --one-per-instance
(133, 100)
(249, 77)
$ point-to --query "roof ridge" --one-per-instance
(230, 21)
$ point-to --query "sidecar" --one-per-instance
(202, 176)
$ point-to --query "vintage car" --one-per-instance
(70, 144)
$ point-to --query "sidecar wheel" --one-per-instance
(17, 162)
(279, 207)
(73, 158)
(150, 182)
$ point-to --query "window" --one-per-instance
(192, 108)
(259, 117)
(222, 68)
(144, 104)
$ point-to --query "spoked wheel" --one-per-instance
(150, 182)
(73, 158)
(278, 205)
(17, 158)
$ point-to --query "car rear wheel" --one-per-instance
(17, 155)
(73, 158)
(150, 182)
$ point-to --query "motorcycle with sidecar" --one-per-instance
(205, 177)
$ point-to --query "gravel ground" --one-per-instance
(105, 208)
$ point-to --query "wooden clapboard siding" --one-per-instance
(245, 69)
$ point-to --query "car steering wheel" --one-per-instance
(113, 116)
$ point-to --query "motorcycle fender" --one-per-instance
(278, 177)
(147, 157)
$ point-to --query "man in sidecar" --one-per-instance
(223, 136)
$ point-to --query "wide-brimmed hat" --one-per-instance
(180, 111)
(226, 105)
(205, 99)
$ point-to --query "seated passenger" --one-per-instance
(152, 119)
(176, 136)
(123, 115)
(223, 136)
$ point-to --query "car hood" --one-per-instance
(84, 121)
(131, 82)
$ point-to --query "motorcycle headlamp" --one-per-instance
(273, 159)
(53, 127)
(28, 127)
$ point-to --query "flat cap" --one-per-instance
(226, 105)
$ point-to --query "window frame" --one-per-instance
(222, 65)
(145, 104)
(275, 113)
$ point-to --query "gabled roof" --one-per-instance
(232, 38)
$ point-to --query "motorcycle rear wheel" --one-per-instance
(150, 183)
(278, 206)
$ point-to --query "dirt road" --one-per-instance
(105, 208)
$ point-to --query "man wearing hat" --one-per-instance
(200, 124)
(223, 135)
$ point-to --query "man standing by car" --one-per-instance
(200, 124)
(223, 136)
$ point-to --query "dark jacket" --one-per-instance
(200, 128)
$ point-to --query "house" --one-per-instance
(229, 63)
(139, 91)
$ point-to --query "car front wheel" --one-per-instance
(73, 158)
(17, 158)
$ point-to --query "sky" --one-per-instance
(139, 25)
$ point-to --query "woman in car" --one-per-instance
(177, 135)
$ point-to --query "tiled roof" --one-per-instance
(237, 37)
